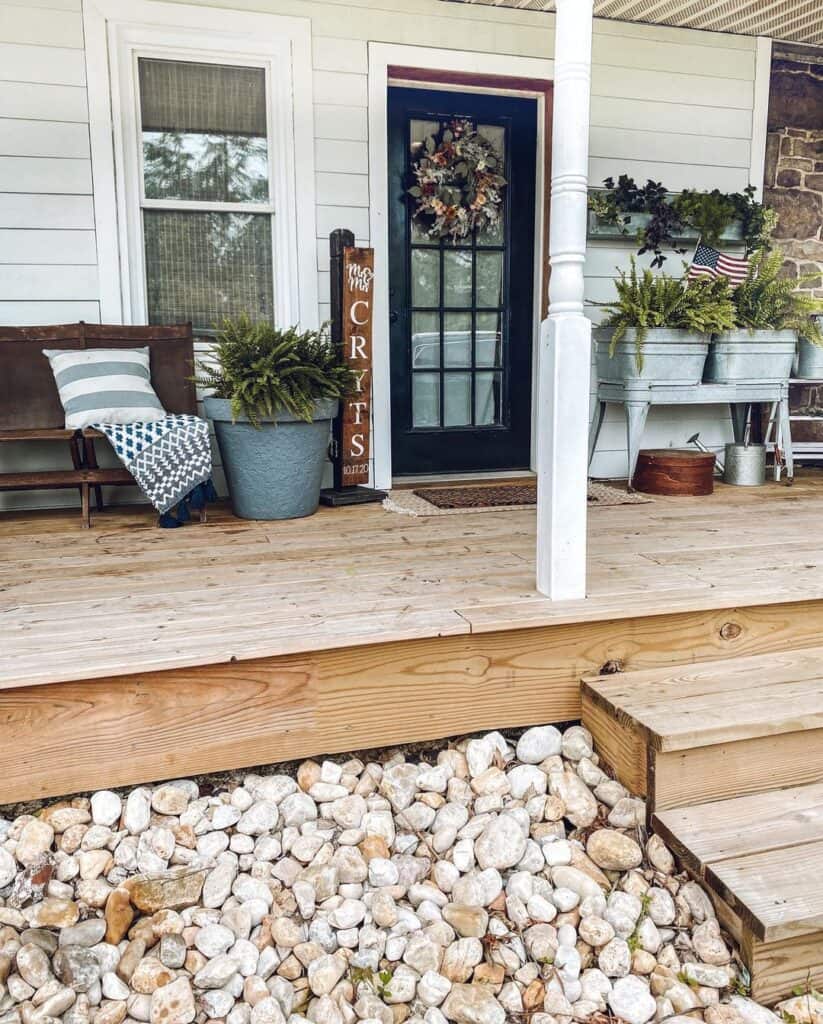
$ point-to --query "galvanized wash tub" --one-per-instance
(810, 358)
(738, 357)
(274, 471)
(669, 356)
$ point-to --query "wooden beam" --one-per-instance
(80, 735)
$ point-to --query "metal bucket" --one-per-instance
(745, 465)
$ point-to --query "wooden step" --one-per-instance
(693, 733)
(760, 857)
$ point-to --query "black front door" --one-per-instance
(462, 313)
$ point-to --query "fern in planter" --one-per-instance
(263, 370)
(646, 301)
(767, 301)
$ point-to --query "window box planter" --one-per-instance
(669, 357)
(273, 472)
(738, 357)
(601, 229)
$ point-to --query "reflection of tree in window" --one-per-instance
(208, 167)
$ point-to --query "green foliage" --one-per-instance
(768, 301)
(646, 300)
(263, 370)
(708, 213)
(377, 981)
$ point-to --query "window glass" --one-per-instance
(204, 143)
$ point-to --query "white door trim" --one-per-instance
(113, 29)
(760, 113)
(381, 57)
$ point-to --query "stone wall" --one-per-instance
(794, 164)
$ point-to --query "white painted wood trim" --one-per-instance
(381, 56)
(115, 30)
(565, 348)
(760, 113)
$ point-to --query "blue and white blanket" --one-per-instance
(171, 461)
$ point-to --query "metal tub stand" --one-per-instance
(637, 397)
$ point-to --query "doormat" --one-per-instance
(449, 501)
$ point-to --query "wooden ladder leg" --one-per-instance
(86, 506)
(91, 463)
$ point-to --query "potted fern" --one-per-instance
(658, 328)
(274, 395)
(769, 313)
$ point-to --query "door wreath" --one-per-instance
(457, 186)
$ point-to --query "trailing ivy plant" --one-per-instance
(646, 300)
(263, 370)
(766, 300)
(707, 213)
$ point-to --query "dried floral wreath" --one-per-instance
(458, 186)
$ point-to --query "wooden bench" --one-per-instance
(30, 408)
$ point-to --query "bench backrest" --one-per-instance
(28, 394)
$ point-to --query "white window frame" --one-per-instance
(118, 32)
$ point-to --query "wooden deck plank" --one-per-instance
(696, 706)
(777, 894)
(757, 823)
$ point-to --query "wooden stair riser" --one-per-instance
(720, 772)
(777, 969)
(781, 969)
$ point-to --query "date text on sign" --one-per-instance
(358, 282)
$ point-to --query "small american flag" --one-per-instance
(708, 262)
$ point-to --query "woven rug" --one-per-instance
(449, 501)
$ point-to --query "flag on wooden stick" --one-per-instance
(708, 262)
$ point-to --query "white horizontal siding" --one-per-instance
(341, 155)
(43, 102)
(40, 246)
(40, 311)
(45, 174)
(48, 65)
(20, 137)
(337, 121)
(340, 88)
(73, 213)
(41, 26)
(48, 283)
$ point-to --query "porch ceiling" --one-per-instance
(798, 21)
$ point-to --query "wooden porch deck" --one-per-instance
(133, 653)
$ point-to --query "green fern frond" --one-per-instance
(646, 301)
(263, 370)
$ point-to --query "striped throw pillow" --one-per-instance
(104, 385)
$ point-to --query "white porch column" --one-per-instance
(565, 338)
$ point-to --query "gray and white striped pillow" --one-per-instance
(104, 385)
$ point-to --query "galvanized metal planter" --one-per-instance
(627, 231)
(273, 472)
(669, 357)
(810, 358)
(750, 356)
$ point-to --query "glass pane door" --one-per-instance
(462, 310)
(457, 314)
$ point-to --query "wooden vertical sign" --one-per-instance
(358, 281)
(352, 300)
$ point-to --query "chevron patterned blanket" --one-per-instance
(170, 459)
